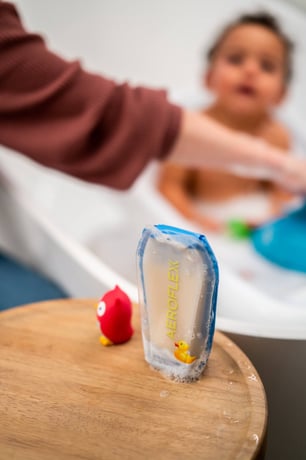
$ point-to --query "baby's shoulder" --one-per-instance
(276, 134)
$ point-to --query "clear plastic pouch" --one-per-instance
(178, 285)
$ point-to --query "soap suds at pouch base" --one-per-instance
(178, 285)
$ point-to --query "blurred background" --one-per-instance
(161, 44)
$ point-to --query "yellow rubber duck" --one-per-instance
(181, 352)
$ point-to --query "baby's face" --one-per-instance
(247, 71)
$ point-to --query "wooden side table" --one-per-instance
(64, 396)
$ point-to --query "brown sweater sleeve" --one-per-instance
(79, 123)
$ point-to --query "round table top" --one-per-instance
(65, 396)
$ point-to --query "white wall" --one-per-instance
(299, 3)
(158, 43)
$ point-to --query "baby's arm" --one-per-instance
(173, 184)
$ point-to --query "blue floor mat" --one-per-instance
(283, 241)
(20, 285)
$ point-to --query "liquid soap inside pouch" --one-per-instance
(178, 284)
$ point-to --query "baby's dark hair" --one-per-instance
(264, 19)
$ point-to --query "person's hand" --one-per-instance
(292, 174)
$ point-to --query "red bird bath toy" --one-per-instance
(114, 314)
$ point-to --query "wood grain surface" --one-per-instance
(64, 396)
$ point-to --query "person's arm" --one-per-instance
(89, 127)
(68, 119)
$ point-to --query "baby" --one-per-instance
(249, 68)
